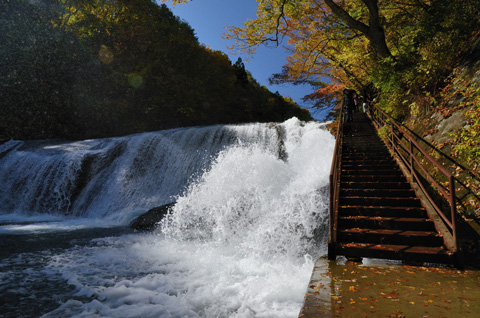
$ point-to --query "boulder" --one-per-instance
(148, 221)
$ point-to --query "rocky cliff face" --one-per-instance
(450, 131)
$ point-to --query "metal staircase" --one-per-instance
(377, 213)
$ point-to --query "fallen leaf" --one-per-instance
(464, 298)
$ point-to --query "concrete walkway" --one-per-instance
(378, 288)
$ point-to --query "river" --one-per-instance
(249, 221)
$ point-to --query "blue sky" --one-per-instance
(209, 19)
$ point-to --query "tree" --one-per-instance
(240, 72)
(276, 19)
(98, 68)
(396, 45)
(326, 39)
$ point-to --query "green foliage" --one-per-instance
(426, 39)
(385, 132)
(400, 51)
(467, 141)
(83, 68)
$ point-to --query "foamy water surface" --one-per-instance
(240, 241)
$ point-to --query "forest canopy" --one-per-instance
(399, 50)
(94, 68)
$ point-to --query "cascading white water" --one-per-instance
(250, 216)
(255, 200)
(109, 177)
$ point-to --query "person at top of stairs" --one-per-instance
(350, 101)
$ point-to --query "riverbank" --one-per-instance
(378, 288)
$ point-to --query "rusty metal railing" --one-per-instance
(413, 157)
(334, 187)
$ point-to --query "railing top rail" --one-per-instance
(417, 146)
(337, 139)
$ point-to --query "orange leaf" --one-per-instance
(464, 298)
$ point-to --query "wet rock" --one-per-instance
(450, 125)
(148, 221)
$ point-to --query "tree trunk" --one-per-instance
(374, 31)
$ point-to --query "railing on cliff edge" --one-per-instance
(412, 155)
(334, 187)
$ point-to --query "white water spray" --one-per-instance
(256, 201)
(250, 218)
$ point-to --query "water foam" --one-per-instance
(255, 200)
(240, 242)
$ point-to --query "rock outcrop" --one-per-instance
(149, 220)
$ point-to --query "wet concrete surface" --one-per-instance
(379, 288)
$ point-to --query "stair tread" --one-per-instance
(387, 207)
(391, 232)
(379, 197)
(382, 207)
(386, 222)
(379, 192)
(386, 218)
(395, 247)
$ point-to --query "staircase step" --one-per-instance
(374, 185)
(388, 236)
(396, 252)
(396, 223)
(381, 192)
(367, 157)
(374, 178)
(406, 212)
(369, 166)
(370, 172)
(389, 163)
(380, 201)
(367, 151)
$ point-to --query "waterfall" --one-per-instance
(249, 220)
(258, 200)
(107, 178)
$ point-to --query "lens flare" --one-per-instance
(135, 80)
(105, 55)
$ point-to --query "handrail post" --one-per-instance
(411, 158)
(332, 237)
(392, 138)
(453, 209)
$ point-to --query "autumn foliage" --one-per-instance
(398, 50)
